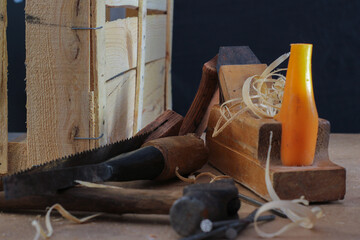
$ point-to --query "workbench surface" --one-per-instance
(341, 221)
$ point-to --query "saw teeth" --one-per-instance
(76, 155)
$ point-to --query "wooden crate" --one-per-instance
(87, 76)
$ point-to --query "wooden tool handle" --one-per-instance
(166, 125)
(106, 200)
(186, 152)
(193, 120)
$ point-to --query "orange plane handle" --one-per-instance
(298, 113)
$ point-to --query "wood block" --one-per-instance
(232, 78)
(240, 151)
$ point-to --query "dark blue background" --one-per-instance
(267, 26)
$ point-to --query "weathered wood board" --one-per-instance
(154, 90)
(240, 151)
(159, 5)
(3, 90)
(169, 39)
(120, 98)
(58, 78)
(121, 37)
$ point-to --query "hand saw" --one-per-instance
(31, 181)
(156, 159)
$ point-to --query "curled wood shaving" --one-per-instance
(296, 210)
(192, 179)
(40, 232)
(261, 95)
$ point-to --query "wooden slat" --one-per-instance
(169, 30)
(3, 90)
(121, 43)
(120, 98)
(120, 46)
(159, 5)
(98, 69)
(154, 87)
(140, 70)
(58, 78)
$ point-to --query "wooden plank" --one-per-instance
(17, 152)
(121, 43)
(159, 5)
(169, 30)
(3, 90)
(154, 87)
(120, 46)
(140, 71)
(58, 78)
(98, 69)
(120, 98)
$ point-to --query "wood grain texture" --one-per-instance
(120, 98)
(169, 40)
(17, 150)
(250, 136)
(159, 5)
(154, 87)
(232, 78)
(98, 73)
(3, 90)
(121, 43)
(58, 78)
(140, 70)
(240, 151)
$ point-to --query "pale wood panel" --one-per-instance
(121, 43)
(98, 70)
(120, 98)
(155, 37)
(120, 46)
(3, 90)
(140, 71)
(169, 35)
(153, 101)
(58, 78)
(159, 5)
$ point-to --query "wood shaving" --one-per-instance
(193, 179)
(296, 210)
(40, 232)
(261, 95)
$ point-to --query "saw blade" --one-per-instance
(93, 156)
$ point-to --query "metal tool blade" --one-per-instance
(236, 55)
(49, 182)
(90, 157)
